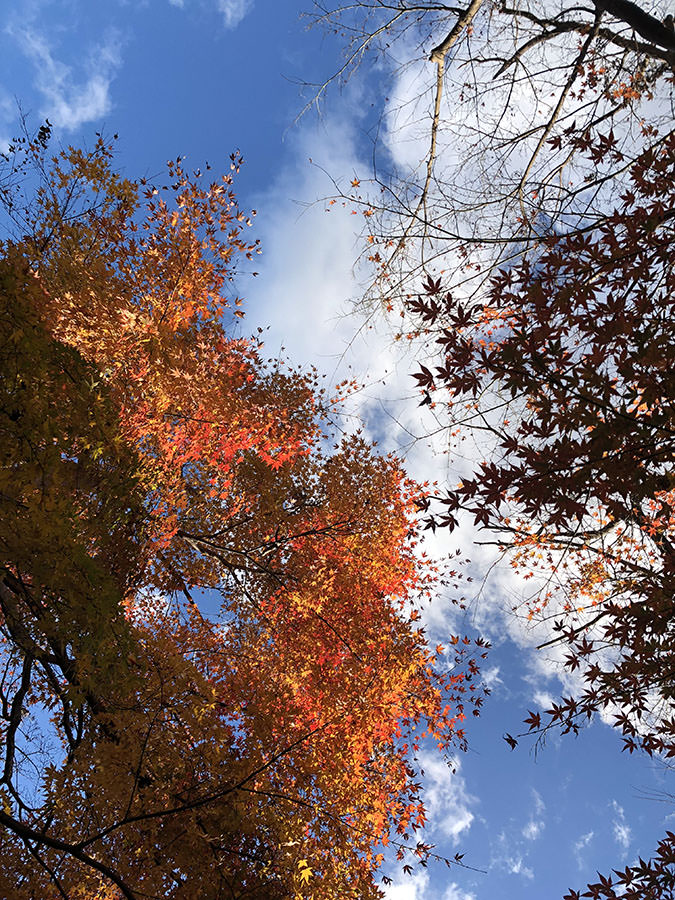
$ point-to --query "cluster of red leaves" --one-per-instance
(569, 367)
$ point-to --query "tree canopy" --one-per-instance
(155, 467)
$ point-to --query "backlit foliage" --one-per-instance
(213, 683)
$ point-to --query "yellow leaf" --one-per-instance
(305, 871)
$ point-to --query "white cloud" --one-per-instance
(234, 11)
(532, 830)
(543, 699)
(516, 866)
(69, 102)
(454, 892)
(408, 887)
(306, 274)
(491, 677)
(7, 113)
(536, 823)
(447, 799)
(621, 829)
(509, 855)
(580, 845)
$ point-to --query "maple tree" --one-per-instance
(155, 467)
(567, 367)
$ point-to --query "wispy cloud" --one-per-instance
(536, 823)
(580, 845)
(510, 855)
(7, 112)
(234, 11)
(516, 866)
(532, 830)
(454, 892)
(70, 101)
(621, 829)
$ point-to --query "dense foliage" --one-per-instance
(212, 680)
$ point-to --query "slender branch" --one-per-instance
(25, 832)
(15, 715)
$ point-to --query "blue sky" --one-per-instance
(204, 77)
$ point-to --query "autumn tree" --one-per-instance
(568, 367)
(155, 468)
